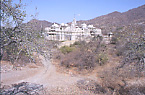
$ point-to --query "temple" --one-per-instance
(64, 32)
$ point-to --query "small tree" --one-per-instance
(17, 36)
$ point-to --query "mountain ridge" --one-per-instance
(106, 22)
(117, 19)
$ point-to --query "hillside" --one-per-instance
(116, 19)
(38, 24)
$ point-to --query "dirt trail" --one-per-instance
(15, 76)
(46, 76)
(49, 77)
(55, 83)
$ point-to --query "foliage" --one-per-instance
(12, 13)
(101, 58)
(67, 49)
(85, 56)
(116, 81)
(17, 36)
(131, 45)
(79, 59)
(77, 43)
(113, 40)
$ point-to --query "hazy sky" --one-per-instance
(63, 10)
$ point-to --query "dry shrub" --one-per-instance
(21, 60)
(101, 59)
(90, 85)
(77, 43)
(67, 49)
(115, 80)
(85, 56)
(58, 55)
(134, 90)
(84, 60)
(81, 60)
(113, 40)
(111, 79)
(131, 46)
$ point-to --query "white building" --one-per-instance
(71, 32)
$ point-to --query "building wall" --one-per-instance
(72, 32)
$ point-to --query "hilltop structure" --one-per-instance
(72, 32)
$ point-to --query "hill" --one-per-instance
(38, 24)
(115, 19)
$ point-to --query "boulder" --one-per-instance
(23, 88)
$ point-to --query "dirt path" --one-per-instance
(46, 76)
(50, 78)
(66, 43)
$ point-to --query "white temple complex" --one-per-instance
(64, 32)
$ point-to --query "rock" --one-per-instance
(21, 93)
(90, 85)
(23, 88)
(134, 90)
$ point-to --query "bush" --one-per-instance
(79, 59)
(67, 49)
(101, 59)
(77, 43)
(119, 51)
(132, 53)
(83, 60)
(84, 55)
(117, 81)
(14, 58)
(114, 40)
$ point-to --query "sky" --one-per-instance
(63, 11)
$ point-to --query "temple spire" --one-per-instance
(74, 21)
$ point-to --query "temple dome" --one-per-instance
(84, 25)
(90, 26)
(55, 25)
(62, 24)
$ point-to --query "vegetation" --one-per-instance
(18, 38)
(130, 48)
(130, 45)
(113, 40)
(76, 43)
(101, 59)
(67, 49)
(84, 55)
(20, 41)
(127, 47)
